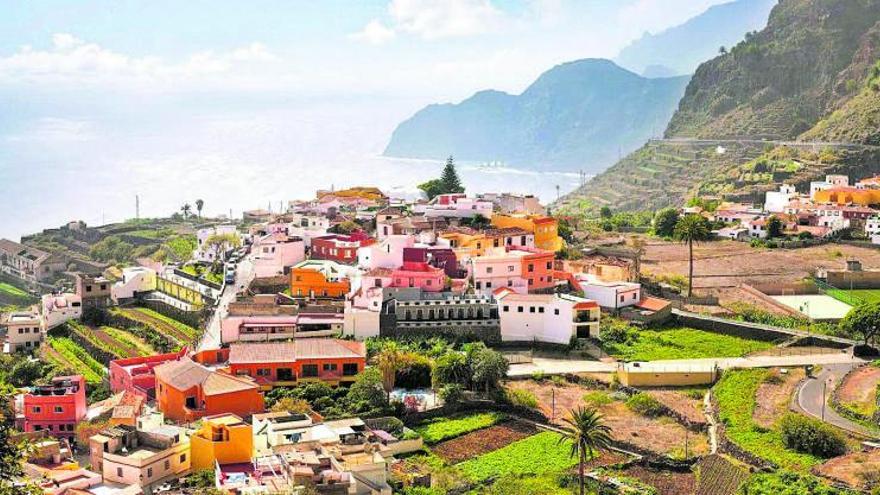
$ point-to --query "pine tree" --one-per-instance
(449, 179)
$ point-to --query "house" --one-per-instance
(56, 407)
(468, 243)
(845, 195)
(520, 269)
(185, 291)
(552, 318)
(223, 439)
(256, 216)
(205, 253)
(414, 313)
(274, 429)
(136, 375)
(136, 280)
(869, 183)
(274, 253)
(28, 263)
(872, 228)
(331, 361)
(829, 182)
(307, 227)
(55, 309)
(776, 201)
(423, 229)
(544, 228)
(23, 331)
(313, 280)
(734, 233)
(305, 323)
(384, 218)
(735, 218)
(145, 458)
(454, 206)
(187, 391)
(758, 228)
(123, 408)
(340, 248)
(94, 291)
(610, 295)
(386, 253)
(507, 203)
(417, 272)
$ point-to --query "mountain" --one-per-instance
(680, 49)
(577, 115)
(810, 75)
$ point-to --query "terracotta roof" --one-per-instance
(219, 383)
(284, 352)
(183, 374)
(652, 303)
(586, 305)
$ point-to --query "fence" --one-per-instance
(839, 294)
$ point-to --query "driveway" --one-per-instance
(814, 393)
(244, 274)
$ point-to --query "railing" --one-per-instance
(839, 294)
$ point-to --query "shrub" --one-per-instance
(598, 398)
(522, 398)
(811, 436)
(645, 404)
(452, 394)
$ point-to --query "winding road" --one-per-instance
(813, 396)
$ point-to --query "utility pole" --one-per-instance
(824, 387)
(137, 207)
(557, 192)
(553, 402)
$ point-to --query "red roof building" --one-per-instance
(135, 375)
(340, 248)
(332, 361)
(56, 407)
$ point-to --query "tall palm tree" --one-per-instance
(690, 229)
(200, 203)
(186, 209)
(588, 434)
(390, 360)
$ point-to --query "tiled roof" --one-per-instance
(219, 383)
(283, 352)
(183, 374)
(652, 303)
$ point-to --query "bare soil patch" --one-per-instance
(680, 402)
(665, 482)
(849, 468)
(480, 442)
(660, 435)
(860, 388)
(731, 263)
(773, 396)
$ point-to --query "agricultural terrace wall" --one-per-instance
(191, 318)
(845, 279)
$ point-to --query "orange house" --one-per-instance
(223, 439)
(845, 195)
(311, 283)
(332, 361)
(545, 229)
(187, 391)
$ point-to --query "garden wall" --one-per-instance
(191, 318)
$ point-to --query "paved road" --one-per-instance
(551, 366)
(244, 274)
(813, 392)
(817, 144)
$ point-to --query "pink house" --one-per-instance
(135, 374)
(56, 407)
(263, 328)
(416, 272)
(275, 252)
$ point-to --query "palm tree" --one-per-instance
(690, 229)
(186, 209)
(200, 203)
(588, 434)
(389, 360)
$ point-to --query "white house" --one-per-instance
(733, 233)
(454, 206)
(611, 295)
(55, 309)
(830, 181)
(776, 201)
(22, 331)
(205, 253)
(135, 280)
(308, 227)
(387, 253)
(552, 318)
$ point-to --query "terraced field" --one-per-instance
(68, 355)
(179, 332)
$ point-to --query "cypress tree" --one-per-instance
(449, 179)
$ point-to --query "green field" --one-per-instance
(735, 393)
(537, 455)
(440, 429)
(855, 295)
(681, 343)
(12, 290)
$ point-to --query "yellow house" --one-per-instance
(844, 195)
(545, 229)
(469, 243)
(224, 438)
(659, 374)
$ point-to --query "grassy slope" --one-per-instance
(436, 431)
(536, 455)
(683, 343)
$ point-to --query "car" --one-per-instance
(230, 277)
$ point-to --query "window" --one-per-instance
(519, 309)
(182, 458)
(149, 472)
(88, 288)
(509, 268)
(621, 298)
(549, 265)
(103, 286)
(310, 370)
(264, 372)
(509, 283)
(329, 366)
(349, 369)
(531, 309)
(522, 240)
(531, 281)
(119, 472)
(37, 409)
(479, 284)
(190, 402)
(506, 309)
(531, 267)
(556, 311)
(167, 464)
(59, 409)
(540, 309)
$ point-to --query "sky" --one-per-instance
(423, 48)
(242, 102)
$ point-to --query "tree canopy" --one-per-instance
(863, 321)
(448, 182)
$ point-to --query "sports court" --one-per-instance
(816, 306)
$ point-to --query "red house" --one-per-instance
(340, 248)
(57, 407)
(136, 374)
(332, 361)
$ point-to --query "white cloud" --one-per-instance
(433, 19)
(374, 33)
(71, 59)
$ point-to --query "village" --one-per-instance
(357, 343)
